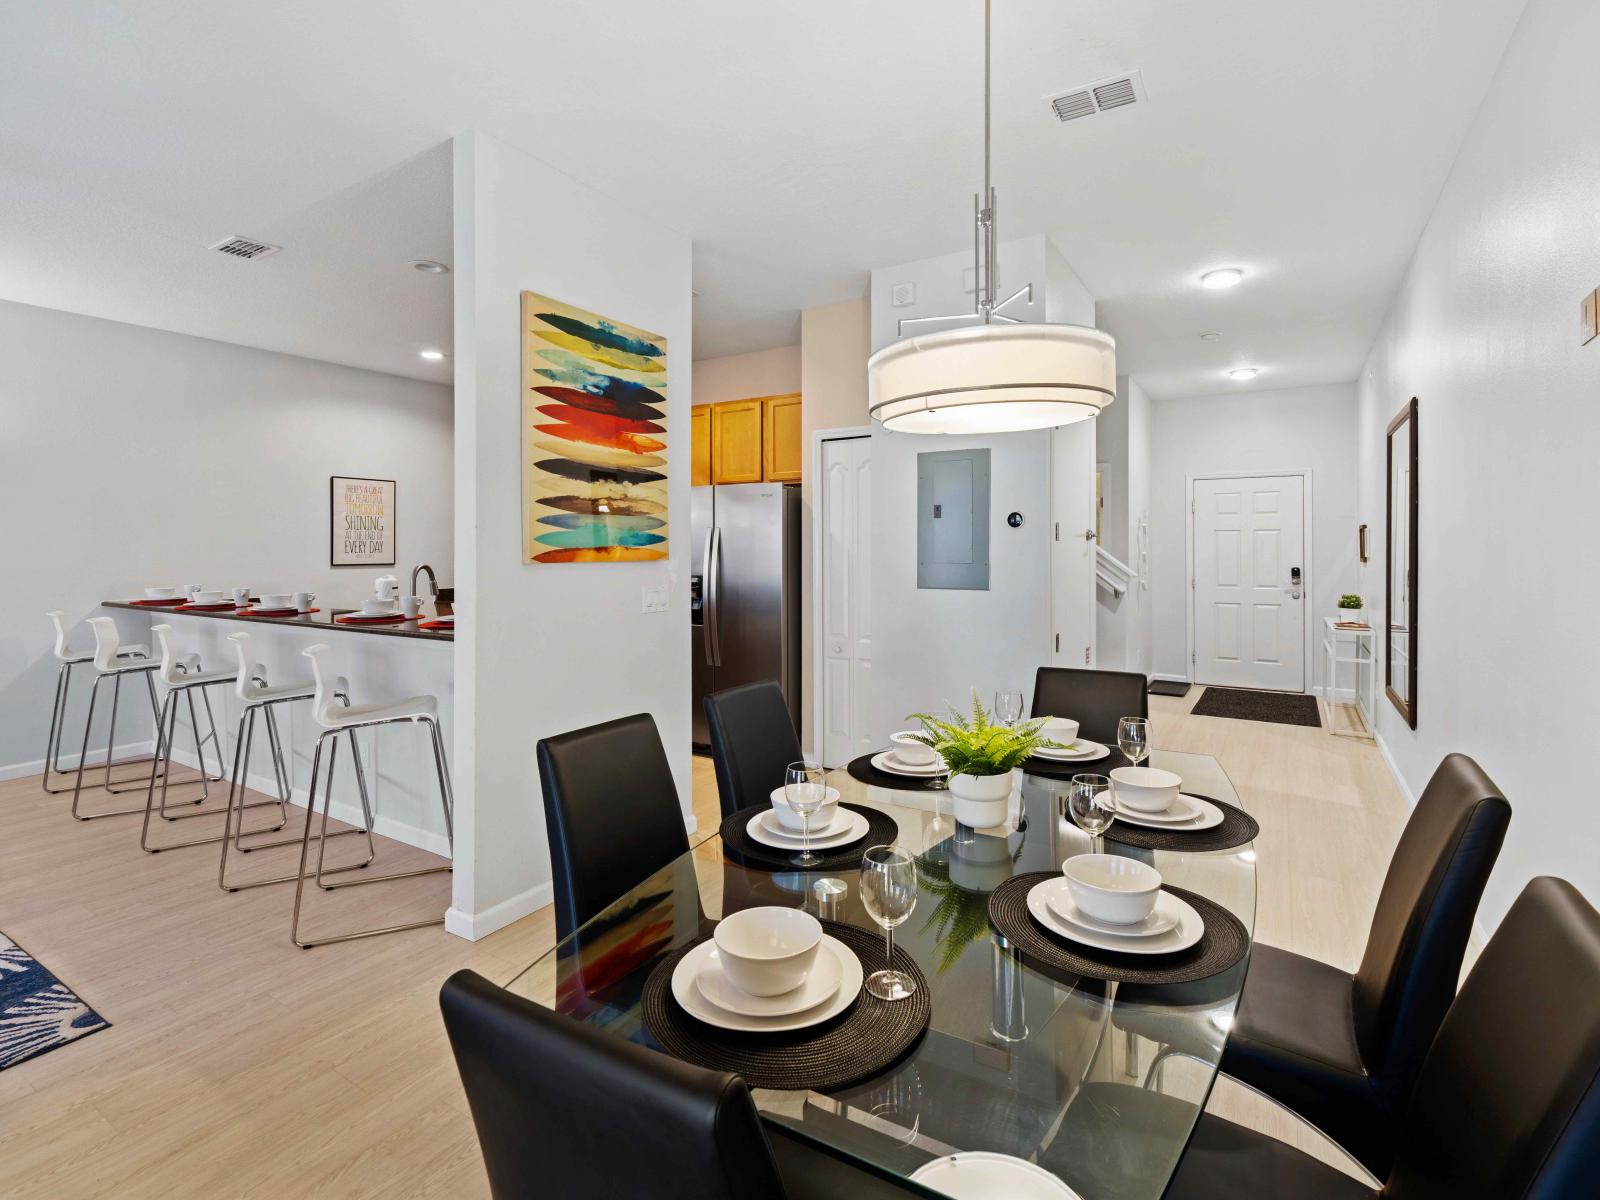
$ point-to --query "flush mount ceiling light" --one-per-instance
(431, 355)
(1002, 374)
(1222, 277)
(428, 267)
(1243, 374)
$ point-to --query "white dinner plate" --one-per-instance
(1062, 905)
(1089, 752)
(820, 985)
(886, 761)
(687, 993)
(833, 828)
(1208, 816)
(855, 831)
(983, 1174)
(1189, 930)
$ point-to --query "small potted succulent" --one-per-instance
(980, 756)
(1350, 608)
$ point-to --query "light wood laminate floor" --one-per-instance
(240, 1066)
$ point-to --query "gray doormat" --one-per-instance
(1168, 687)
(1281, 708)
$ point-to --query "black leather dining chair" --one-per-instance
(1096, 700)
(752, 740)
(1506, 1104)
(611, 811)
(566, 1111)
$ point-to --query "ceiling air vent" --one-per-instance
(1101, 96)
(240, 247)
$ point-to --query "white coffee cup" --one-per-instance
(241, 597)
(304, 600)
(410, 606)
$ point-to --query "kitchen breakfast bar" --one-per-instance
(382, 661)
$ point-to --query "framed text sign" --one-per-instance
(361, 530)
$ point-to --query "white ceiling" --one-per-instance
(801, 144)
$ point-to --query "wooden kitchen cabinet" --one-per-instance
(782, 451)
(699, 445)
(736, 441)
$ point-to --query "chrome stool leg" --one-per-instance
(83, 753)
(58, 714)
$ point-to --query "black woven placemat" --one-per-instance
(736, 840)
(1049, 768)
(1237, 829)
(862, 769)
(1224, 942)
(868, 1037)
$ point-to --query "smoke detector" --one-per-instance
(243, 247)
(1118, 91)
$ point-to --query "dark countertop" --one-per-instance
(322, 621)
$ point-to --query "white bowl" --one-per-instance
(1117, 890)
(1146, 789)
(160, 593)
(377, 608)
(275, 600)
(768, 951)
(820, 816)
(912, 752)
(1060, 729)
(208, 598)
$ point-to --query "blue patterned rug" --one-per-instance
(38, 1012)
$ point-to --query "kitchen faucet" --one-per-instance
(433, 580)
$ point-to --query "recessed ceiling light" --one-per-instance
(1241, 374)
(431, 355)
(428, 267)
(1222, 277)
(1210, 337)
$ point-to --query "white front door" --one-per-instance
(1073, 509)
(1249, 582)
(846, 499)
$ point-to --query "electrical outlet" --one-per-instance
(653, 599)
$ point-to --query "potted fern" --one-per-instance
(980, 756)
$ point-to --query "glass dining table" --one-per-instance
(1040, 1066)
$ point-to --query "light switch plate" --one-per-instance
(654, 598)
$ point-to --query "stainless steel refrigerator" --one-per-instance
(744, 585)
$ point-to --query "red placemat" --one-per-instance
(276, 612)
(228, 605)
(438, 623)
(167, 603)
(357, 619)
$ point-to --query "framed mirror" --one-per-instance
(1400, 577)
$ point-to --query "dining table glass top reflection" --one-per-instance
(1018, 1058)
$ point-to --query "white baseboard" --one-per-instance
(475, 926)
(1337, 695)
(35, 766)
(1394, 770)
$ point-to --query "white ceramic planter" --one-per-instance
(981, 800)
(1351, 615)
(981, 863)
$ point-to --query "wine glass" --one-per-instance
(889, 893)
(1133, 738)
(1008, 707)
(805, 787)
(1089, 801)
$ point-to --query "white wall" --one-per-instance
(133, 457)
(1311, 428)
(1484, 332)
(774, 372)
(1123, 625)
(542, 648)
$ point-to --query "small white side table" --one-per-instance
(1355, 647)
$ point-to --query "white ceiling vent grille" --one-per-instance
(240, 247)
(1101, 96)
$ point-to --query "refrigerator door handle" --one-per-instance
(713, 560)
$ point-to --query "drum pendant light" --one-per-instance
(1001, 374)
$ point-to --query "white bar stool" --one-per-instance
(68, 658)
(258, 697)
(108, 664)
(182, 678)
(334, 720)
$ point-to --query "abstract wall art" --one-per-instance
(594, 437)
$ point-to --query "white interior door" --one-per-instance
(846, 497)
(1073, 512)
(1249, 582)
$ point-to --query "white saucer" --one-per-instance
(1205, 816)
(1189, 930)
(886, 761)
(840, 823)
(757, 829)
(1063, 906)
(983, 1174)
(821, 984)
(1090, 752)
(687, 994)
